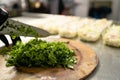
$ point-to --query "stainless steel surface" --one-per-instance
(109, 61)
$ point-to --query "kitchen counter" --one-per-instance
(109, 57)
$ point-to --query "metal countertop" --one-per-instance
(109, 61)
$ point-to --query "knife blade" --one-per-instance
(41, 32)
(3, 16)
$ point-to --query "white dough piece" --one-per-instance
(68, 31)
(112, 36)
(70, 28)
(93, 31)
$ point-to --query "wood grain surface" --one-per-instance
(86, 62)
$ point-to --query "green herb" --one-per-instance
(38, 53)
(4, 50)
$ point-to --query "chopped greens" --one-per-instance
(4, 51)
(39, 53)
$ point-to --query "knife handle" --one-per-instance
(3, 16)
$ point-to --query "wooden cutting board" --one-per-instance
(86, 62)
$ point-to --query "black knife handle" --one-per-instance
(3, 16)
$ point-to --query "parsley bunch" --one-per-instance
(38, 53)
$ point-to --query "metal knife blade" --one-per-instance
(41, 32)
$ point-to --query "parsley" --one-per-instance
(4, 50)
(38, 53)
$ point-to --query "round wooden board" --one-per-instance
(86, 62)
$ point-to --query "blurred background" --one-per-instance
(82, 8)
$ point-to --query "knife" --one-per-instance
(41, 32)
(3, 16)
